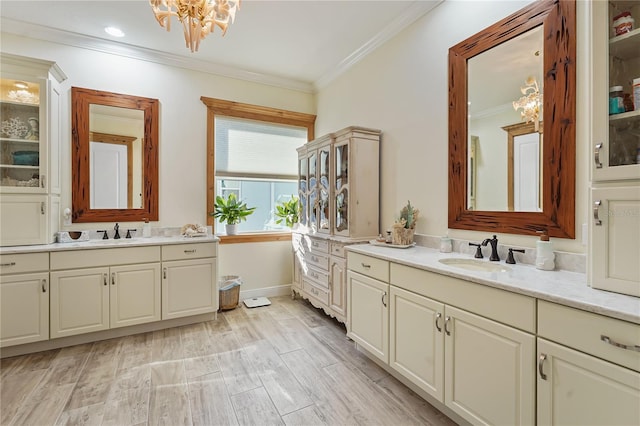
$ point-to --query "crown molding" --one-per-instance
(39, 32)
(410, 15)
(488, 112)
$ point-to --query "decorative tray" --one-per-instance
(378, 243)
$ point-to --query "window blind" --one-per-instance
(256, 149)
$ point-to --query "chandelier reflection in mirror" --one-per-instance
(530, 102)
(198, 17)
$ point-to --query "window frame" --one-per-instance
(250, 112)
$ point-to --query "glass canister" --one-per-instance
(616, 100)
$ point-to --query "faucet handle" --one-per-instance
(129, 232)
(105, 235)
(510, 258)
(478, 254)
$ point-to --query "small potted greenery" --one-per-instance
(404, 228)
(288, 212)
(231, 211)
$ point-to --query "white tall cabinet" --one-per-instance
(338, 187)
(30, 144)
(615, 163)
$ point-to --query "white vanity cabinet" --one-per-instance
(104, 288)
(24, 298)
(189, 280)
(30, 150)
(468, 346)
(593, 376)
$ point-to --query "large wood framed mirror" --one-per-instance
(114, 157)
(486, 73)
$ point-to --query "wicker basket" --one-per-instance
(229, 294)
(401, 236)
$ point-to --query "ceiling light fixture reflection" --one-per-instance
(21, 85)
(198, 17)
(113, 31)
(530, 102)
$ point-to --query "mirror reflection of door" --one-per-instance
(524, 180)
(116, 159)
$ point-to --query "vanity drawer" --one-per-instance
(104, 257)
(25, 262)
(584, 331)
(318, 260)
(318, 246)
(315, 292)
(337, 249)
(369, 266)
(188, 251)
(320, 278)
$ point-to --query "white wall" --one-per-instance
(402, 89)
(182, 153)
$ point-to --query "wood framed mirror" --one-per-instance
(557, 20)
(114, 157)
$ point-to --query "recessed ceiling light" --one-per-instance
(113, 31)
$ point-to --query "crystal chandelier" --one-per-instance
(530, 102)
(198, 17)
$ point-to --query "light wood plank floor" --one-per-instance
(283, 364)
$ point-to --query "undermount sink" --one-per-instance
(475, 265)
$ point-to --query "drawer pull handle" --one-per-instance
(608, 340)
(541, 360)
(438, 316)
(113, 278)
(44, 286)
(104, 279)
(365, 265)
(315, 259)
(190, 251)
(447, 319)
(8, 264)
(164, 273)
(384, 295)
(596, 153)
(596, 215)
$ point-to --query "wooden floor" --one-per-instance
(283, 364)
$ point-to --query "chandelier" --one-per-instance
(198, 17)
(530, 102)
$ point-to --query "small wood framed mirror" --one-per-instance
(114, 157)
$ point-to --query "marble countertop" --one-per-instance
(566, 288)
(110, 243)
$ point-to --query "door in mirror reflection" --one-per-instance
(495, 80)
(116, 166)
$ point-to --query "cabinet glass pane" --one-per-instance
(342, 210)
(323, 205)
(342, 166)
(624, 67)
(313, 190)
(20, 133)
(302, 189)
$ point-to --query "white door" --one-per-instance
(489, 370)
(578, 389)
(24, 308)
(368, 314)
(134, 294)
(526, 172)
(108, 189)
(416, 340)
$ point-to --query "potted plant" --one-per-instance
(288, 212)
(231, 211)
(404, 228)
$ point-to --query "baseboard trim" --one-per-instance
(275, 291)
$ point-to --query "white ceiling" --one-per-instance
(297, 44)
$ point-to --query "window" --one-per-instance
(251, 151)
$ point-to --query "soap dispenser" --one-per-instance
(146, 228)
(545, 257)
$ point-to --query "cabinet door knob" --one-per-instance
(596, 155)
(541, 360)
(42, 207)
(384, 295)
(113, 278)
(44, 286)
(596, 213)
(438, 316)
(164, 273)
(447, 319)
(104, 279)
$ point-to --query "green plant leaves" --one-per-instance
(231, 210)
(288, 211)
